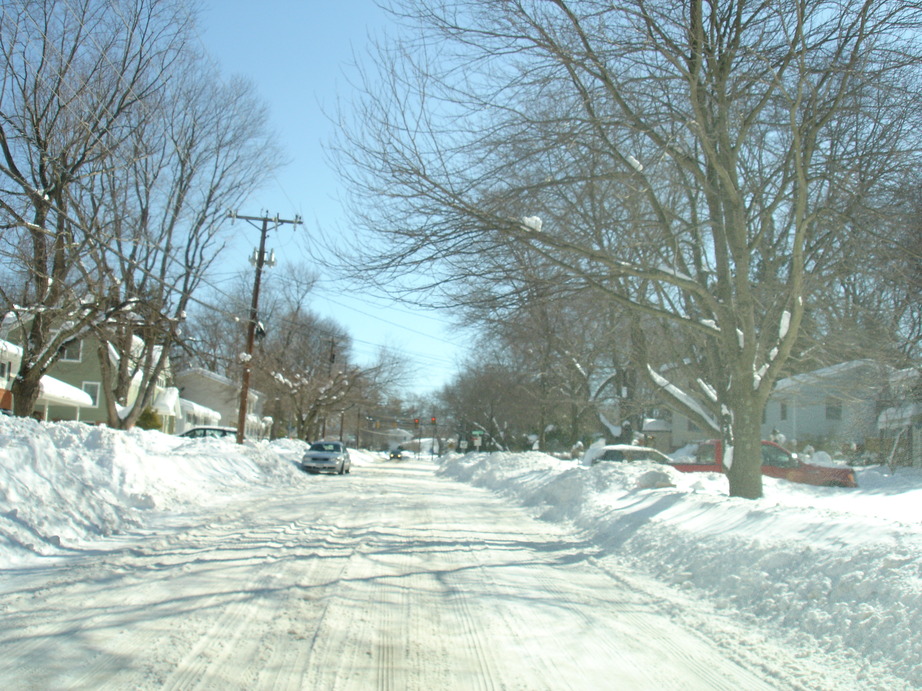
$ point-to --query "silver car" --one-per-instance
(210, 433)
(327, 456)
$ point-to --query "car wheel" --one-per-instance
(349, 470)
(342, 468)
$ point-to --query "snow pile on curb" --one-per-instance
(67, 482)
(825, 567)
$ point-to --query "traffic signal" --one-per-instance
(416, 421)
(433, 421)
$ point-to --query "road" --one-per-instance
(388, 578)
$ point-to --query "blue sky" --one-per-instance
(298, 55)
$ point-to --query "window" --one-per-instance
(707, 454)
(783, 414)
(772, 455)
(92, 388)
(5, 369)
(70, 351)
(833, 410)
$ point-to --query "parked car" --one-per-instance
(327, 456)
(209, 432)
(776, 462)
(630, 453)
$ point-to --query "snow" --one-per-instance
(708, 390)
(680, 395)
(785, 325)
(533, 223)
(635, 164)
(711, 324)
(674, 272)
(835, 573)
(829, 569)
(56, 391)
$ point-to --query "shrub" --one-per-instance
(150, 419)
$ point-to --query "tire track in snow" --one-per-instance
(290, 659)
(395, 579)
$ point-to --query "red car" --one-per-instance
(776, 462)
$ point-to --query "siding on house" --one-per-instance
(80, 367)
(54, 393)
(828, 407)
(222, 395)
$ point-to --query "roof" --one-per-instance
(56, 392)
(656, 425)
(843, 372)
(205, 374)
(166, 401)
(901, 416)
(198, 409)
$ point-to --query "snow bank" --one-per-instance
(69, 482)
(831, 568)
(837, 569)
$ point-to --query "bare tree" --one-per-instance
(695, 162)
(577, 354)
(302, 363)
(76, 77)
(202, 151)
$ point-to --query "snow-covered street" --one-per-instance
(137, 560)
(391, 578)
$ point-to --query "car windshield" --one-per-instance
(326, 446)
(772, 455)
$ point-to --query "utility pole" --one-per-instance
(254, 309)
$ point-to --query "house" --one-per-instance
(54, 393)
(222, 395)
(75, 392)
(669, 426)
(830, 408)
(682, 430)
(657, 433)
(79, 366)
(859, 405)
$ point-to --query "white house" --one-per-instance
(829, 407)
(221, 395)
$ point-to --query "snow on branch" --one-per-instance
(683, 398)
(672, 271)
(579, 368)
(708, 390)
(785, 325)
(532, 223)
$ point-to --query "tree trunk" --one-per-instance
(26, 388)
(745, 473)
